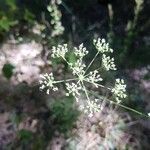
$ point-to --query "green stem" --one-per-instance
(86, 93)
(100, 85)
(60, 81)
(67, 8)
(91, 62)
(65, 60)
(123, 106)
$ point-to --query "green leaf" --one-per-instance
(6, 23)
(28, 16)
(11, 4)
(8, 70)
(72, 58)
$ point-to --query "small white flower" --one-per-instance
(73, 89)
(59, 51)
(47, 82)
(102, 46)
(81, 51)
(78, 68)
(92, 107)
(149, 114)
(94, 77)
(119, 90)
(108, 63)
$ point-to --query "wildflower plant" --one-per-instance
(83, 75)
(55, 13)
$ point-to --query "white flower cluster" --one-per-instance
(91, 107)
(81, 51)
(58, 29)
(47, 82)
(108, 63)
(94, 77)
(138, 7)
(119, 90)
(78, 67)
(77, 85)
(73, 89)
(59, 51)
(102, 46)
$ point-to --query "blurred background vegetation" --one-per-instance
(32, 120)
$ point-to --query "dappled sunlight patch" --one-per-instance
(26, 59)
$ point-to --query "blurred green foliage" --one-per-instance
(8, 10)
(64, 114)
(60, 119)
(25, 135)
(11, 14)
